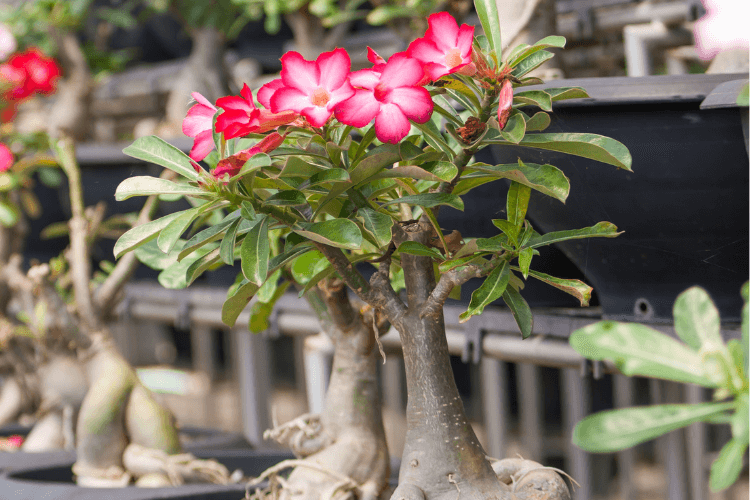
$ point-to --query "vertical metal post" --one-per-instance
(575, 396)
(253, 373)
(696, 447)
(202, 349)
(675, 452)
(530, 410)
(318, 361)
(393, 384)
(495, 405)
(623, 395)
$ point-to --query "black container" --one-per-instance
(684, 208)
(53, 479)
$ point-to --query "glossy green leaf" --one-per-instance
(308, 265)
(237, 299)
(297, 167)
(416, 248)
(540, 121)
(208, 235)
(139, 235)
(538, 98)
(429, 200)
(740, 423)
(260, 312)
(408, 171)
(510, 229)
(524, 51)
(330, 175)
(496, 244)
(155, 150)
(616, 430)
(172, 232)
(341, 233)
(445, 108)
(576, 288)
(175, 275)
(514, 129)
(524, 261)
(592, 146)
(488, 16)
(375, 161)
(564, 93)
(226, 248)
(727, 467)
(546, 179)
(640, 350)
(434, 138)
(531, 62)
(517, 202)
(152, 256)
(600, 229)
(287, 198)
(490, 290)
(467, 183)
(377, 224)
(446, 266)
(696, 319)
(330, 271)
(520, 309)
(146, 186)
(255, 251)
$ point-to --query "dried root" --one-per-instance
(278, 487)
(303, 435)
(531, 480)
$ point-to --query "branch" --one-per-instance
(453, 278)
(105, 296)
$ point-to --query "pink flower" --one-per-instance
(199, 124)
(445, 48)
(6, 158)
(376, 59)
(392, 98)
(241, 117)
(267, 91)
(313, 88)
(232, 164)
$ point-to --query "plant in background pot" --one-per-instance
(701, 358)
(362, 201)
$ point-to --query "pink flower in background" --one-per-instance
(29, 72)
(198, 124)
(7, 42)
(232, 164)
(313, 88)
(723, 27)
(445, 48)
(241, 117)
(392, 98)
(6, 158)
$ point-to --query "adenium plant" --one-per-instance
(702, 358)
(348, 171)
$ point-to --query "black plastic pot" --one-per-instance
(684, 208)
(54, 480)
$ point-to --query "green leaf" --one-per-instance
(416, 248)
(237, 299)
(375, 161)
(377, 224)
(8, 214)
(254, 252)
(262, 310)
(531, 62)
(600, 229)
(510, 229)
(538, 98)
(287, 198)
(446, 266)
(253, 163)
(155, 150)
(172, 232)
(745, 323)
(208, 235)
(330, 175)
(564, 93)
(639, 350)
(139, 235)
(146, 186)
(517, 202)
(743, 98)
(592, 146)
(150, 255)
(576, 288)
(540, 121)
(429, 200)
(524, 261)
(616, 430)
(488, 16)
(226, 249)
(546, 179)
(520, 309)
(8, 181)
(491, 289)
(523, 51)
(408, 171)
(740, 422)
(727, 467)
(696, 319)
(514, 129)
(308, 265)
(297, 167)
(175, 275)
(434, 138)
(341, 233)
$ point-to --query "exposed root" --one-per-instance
(277, 484)
(531, 480)
(303, 435)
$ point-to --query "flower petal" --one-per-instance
(443, 31)
(198, 119)
(334, 67)
(414, 102)
(6, 158)
(202, 100)
(316, 115)
(390, 124)
(425, 51)
(374, 57)
(364, 78)
(401, 71)
(234, 103)
(266, 91)
(464, 41)
(204, 144)
(342, 93)
(298, 73)
(289, 98)
(358, 110)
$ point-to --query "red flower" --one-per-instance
(199, 124)
(6, 158)
(313, 88)
(232, 164)
(392, 98)
(30, 72)
(241, 117)
(445, 48)
(506, 103)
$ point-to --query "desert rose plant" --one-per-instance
(350, 170)
(701, 358)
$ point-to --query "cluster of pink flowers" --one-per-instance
(309, 93)
(23, 75)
